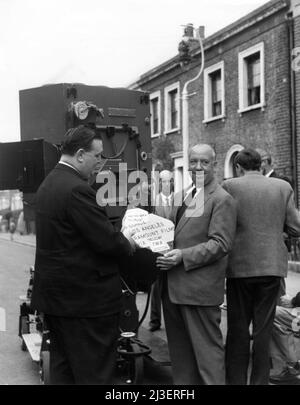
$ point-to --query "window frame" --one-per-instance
(153, 96)
(208, 117)
(243, 78)
(167, 90)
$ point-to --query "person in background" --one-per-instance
(12, 228)
(163, 207)
(77, 283)
(267, 167)
(285, 342)
(257, 262)
(193, 286)
(268, 171)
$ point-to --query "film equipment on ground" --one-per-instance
(122, 117)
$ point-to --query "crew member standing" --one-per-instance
(163, 208)
(76, 283)
(268, 171)
(267, 167)
(257, 262)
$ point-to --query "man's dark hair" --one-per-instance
(248, 159)
(80, 137)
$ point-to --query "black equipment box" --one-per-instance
(49, 111)
(24, 165)
(121, 116)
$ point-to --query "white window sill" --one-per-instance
(218, 117)
(252, 107)
(171, 131)
(155, 135)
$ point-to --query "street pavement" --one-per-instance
(16, 367)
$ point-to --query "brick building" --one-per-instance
(247, 96)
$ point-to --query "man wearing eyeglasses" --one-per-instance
(77, 283)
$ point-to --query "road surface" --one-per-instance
(16, 367)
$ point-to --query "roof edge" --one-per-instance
(255, 16)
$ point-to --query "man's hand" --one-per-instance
(285, 301)
(128, 233)
(169, 259)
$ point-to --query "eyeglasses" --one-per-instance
(96, 156)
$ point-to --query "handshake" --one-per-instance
(128, 233)
(164, 261)
(169, 259)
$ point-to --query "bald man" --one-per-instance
(163, 207)
(193, 288)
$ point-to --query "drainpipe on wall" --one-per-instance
(290, 25)
(185, 112)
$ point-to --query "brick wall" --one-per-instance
(297, 98)
(269, 129)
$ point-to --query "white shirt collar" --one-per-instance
(190, 188)
(269, 173)
(67, 164)
(166, 200)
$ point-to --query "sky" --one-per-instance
(95, 42)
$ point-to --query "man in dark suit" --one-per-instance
(77, 283)
(163, 207)
(257, 262)
(195, 275)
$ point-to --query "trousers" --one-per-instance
(195, 343)
(251, 299)
(82, 350)
(285, 342)
(155, 310)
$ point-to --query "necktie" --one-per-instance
(182, 209)
(167, 208)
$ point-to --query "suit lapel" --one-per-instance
(177, 202)
(208, 192)
(159, 207)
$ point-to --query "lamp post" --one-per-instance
(185, 58)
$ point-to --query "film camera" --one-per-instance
(122, 118)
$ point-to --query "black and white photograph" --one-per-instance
(149, 195)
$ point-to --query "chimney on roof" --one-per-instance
(201, 32)
(188, 31)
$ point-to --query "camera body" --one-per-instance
(121, 116)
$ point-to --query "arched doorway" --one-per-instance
(229, 169)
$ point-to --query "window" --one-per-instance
(251, 78)
(178, 171)
(214, 92)
(155, 113)
(172, 108)
(253, 73)
(229, 168)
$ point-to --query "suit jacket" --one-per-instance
(205, 238)
(265, 206)
(160, 209)
(278, 176)
(76, 272)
